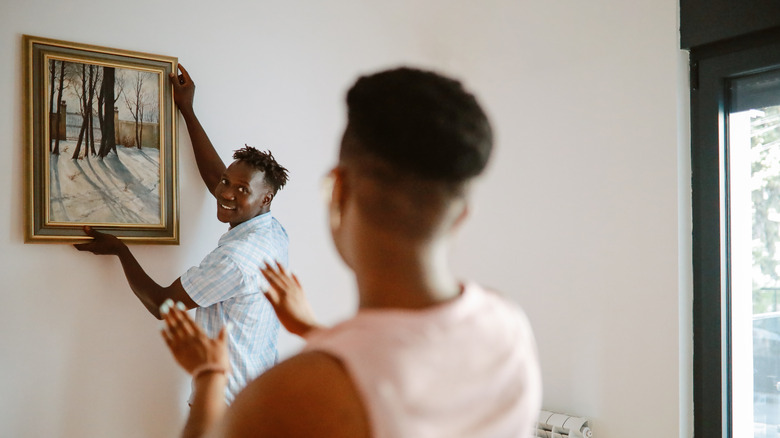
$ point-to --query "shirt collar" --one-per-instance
(247, 226)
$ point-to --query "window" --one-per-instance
(735, 131)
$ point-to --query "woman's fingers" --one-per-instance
(270, 271)
(281, 268)
(284, 276)
(166, 335)
(178, 324)
(274, 279)
(184, 325)
(272, 295)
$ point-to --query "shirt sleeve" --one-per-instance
(217, 278)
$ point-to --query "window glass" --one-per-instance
(753, 188)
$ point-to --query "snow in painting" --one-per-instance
(104, 150)
(121, 188)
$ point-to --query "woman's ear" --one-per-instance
(462, 215)
(336, 198)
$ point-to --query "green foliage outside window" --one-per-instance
(765, 180)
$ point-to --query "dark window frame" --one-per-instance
(712, 67)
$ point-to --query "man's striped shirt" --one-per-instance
(228, 286)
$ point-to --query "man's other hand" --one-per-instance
(101, 244)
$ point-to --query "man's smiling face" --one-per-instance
(242, 194)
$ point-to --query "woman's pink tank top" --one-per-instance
(465, 368)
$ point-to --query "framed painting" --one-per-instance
(101, 146)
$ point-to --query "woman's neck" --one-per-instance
(398, 275)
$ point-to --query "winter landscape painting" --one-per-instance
(104, 161)
(101, 143)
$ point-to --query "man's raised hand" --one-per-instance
(183, 89)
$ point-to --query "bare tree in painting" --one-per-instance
(95, 78)
(152, 111)
(81, 89)
(137, 103)
(139, 122)
(52, 78)
(111, 89)
(87, 94)
(58, 76)
(106, 100)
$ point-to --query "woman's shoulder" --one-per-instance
(309, 394)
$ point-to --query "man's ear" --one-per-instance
(269, 196)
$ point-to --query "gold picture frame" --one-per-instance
(93, 162)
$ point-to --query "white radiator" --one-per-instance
(557, 425)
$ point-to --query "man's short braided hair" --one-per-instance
(275, 174)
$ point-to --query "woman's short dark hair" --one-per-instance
(419, 122)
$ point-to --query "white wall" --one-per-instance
(583, 217)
